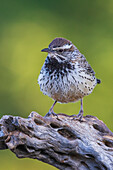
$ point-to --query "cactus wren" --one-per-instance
(66, 76)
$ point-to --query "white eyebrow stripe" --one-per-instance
(66, 46)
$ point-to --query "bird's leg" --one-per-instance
(80, 115)
(51, 110)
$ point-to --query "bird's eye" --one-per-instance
(61, 50)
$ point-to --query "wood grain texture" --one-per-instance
(61, 141)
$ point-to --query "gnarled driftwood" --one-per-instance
(61, 141)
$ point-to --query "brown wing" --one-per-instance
(84, 64)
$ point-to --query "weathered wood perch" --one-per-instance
(62, 141)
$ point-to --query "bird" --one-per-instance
(66, 76)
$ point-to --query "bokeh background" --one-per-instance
(27, 26)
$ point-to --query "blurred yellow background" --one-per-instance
(26, 27)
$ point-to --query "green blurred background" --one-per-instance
(27, 26)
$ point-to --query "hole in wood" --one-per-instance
(38, 122)
(22, 148)
(98, 127)
(108, 143)
(54, 125)
(99, 144)
(67, 133)
(90, 156)
(30, 128)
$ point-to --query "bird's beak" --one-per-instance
(46, 50)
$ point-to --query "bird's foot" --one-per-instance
(51, 113)
(78, 116)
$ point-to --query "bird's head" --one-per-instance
(61, 49)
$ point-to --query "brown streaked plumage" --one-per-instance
(66, 76)
(59, 42)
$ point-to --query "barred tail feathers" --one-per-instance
(98, 81)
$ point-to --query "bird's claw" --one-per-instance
(79, 116)
(51, 114)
